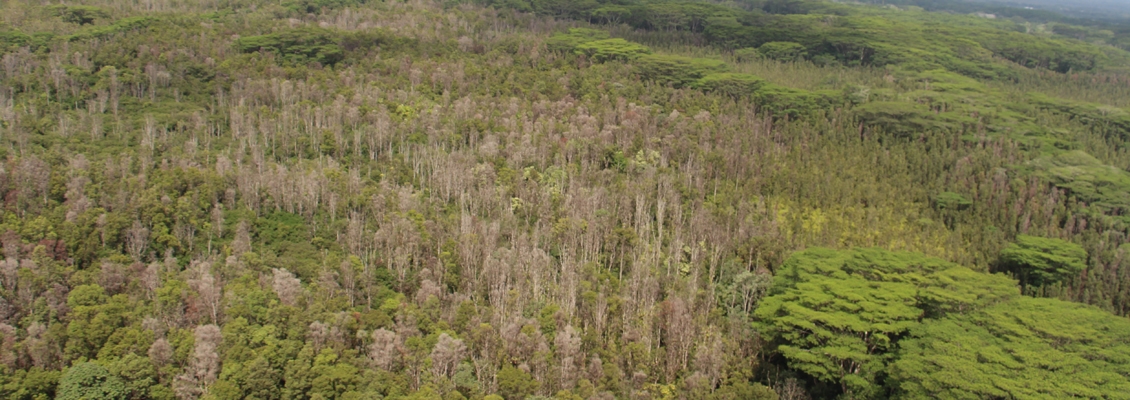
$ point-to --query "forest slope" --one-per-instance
(355, 199)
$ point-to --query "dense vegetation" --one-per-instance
(639, 199)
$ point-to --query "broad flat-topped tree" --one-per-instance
(1041, 261)
(837, 315)
(1027, 348)
(897, 324)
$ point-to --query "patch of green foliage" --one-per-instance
(906, 119)
(679, 71)
(783, 51)
(1088, 179)
(81, 15)
(514, 383)
(705, 74)
(732, 84)
(1115, 120)
(856, 36)
(851, 35)
(317, 6)
(869, 319)
(596, 45)
(297, 46)
(32, 383)
(1041, 261)
(11, 40)
(122, 25)
(612, 49)
(837, 315)
(1023, 349)
(951, 201)
(568, 42)
(90, 381)
(326, 47)
(796, 102)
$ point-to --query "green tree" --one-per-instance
(837, 315)
(567, 42)
(783, 51)
(678, 70)
(298, 45)
(90, 381)
(93, 319)
(32, 384)
(611, 13)
(951, 201)
(731, 84)
(1104, 187)
(137, 374)
(612, 49)
(82, 15)
(1041, 261)
(516, 384)
(904, 119)
(1024, 349)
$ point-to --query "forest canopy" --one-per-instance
(550, 199)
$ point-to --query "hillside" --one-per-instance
(531, 199)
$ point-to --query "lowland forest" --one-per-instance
(563, 199)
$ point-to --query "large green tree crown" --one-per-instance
(838, 314)
(90, 381)
(1023, 349)
(1040, 261)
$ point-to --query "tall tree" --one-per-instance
(1026, 348)
(90, 381)
(1041, 261)
(838, 315)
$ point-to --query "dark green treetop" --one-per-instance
(837, 315)
(1027, 348)
(1040, 261)
(90, 381)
